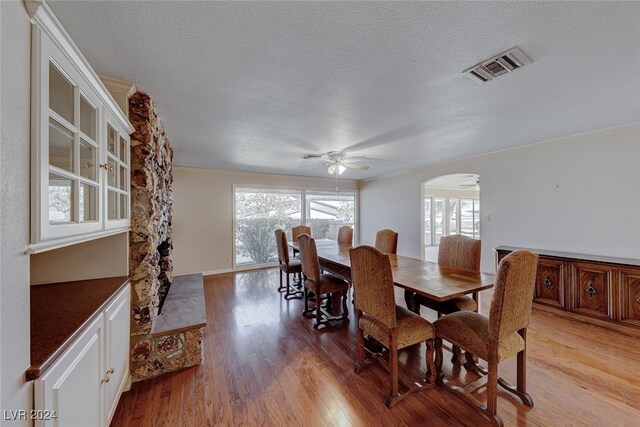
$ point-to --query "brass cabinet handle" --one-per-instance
(106, 166)
(110, 371)
(104, 380)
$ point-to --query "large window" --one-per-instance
(327, 212)
(450, 215)
(259, 212)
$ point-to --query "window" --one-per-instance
(450, 215)
(259, 212)
(327, 212)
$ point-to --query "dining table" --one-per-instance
(414, 276)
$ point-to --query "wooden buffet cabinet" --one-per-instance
(596, 289)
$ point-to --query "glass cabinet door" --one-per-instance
(73, 148)
(80, 150)
(118, 186)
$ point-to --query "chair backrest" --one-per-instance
(373, 284)
(345, 235)
(459, 251)
(296, 231)
(309, 257)
(512, 294)
(281, 244)
(387, 241)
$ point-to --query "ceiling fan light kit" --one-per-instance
(337, 161)
(336, 168)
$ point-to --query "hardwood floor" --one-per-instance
(265, 365)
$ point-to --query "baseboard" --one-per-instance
(220, 271)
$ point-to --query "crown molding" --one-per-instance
(43, 17)
(119, 86)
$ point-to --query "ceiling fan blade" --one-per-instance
(309, 165)
(356, 166)
(312, 156)
(357, 158)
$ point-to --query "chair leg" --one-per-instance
(281, 288)
(345, 307)
(438, 360)
(393, 368)
(431, 370)
(359, 346)
(318, 321)
(492, 388)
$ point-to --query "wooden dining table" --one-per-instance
(415, 276)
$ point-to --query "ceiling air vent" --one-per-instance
(504, 63)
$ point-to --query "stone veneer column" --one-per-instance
(151, 242)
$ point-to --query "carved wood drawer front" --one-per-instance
(550, 282)
(630, 296)
(592, 289)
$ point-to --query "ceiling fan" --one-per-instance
(337, 161)
(476, 185)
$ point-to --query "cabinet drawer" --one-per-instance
(630, 297)
(592, 289)
(550, 282)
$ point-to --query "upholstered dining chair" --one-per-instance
(345, 235)
(460, 252)
(387, 241)
(319, 284)
(300, 229)
(287, 266)
(501, 335)
(378, 316)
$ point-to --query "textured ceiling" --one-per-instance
(256, 85)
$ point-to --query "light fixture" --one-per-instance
(336, 167)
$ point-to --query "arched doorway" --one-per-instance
(451, 205)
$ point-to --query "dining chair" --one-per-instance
(387, 241)
(300, 229)
(319, 284)
(463, 253)
(287, 266)
(391, 325)
(497, 337)
(345, 235)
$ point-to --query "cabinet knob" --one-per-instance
(591, 290)
(106, 166)
(547, 282)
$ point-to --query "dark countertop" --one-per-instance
(60, 312)
(569, 255)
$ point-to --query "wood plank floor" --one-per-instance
(265, 365)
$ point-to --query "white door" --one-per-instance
(71, 390)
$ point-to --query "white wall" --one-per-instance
(15, 46)
(203, 213)
(578, 194)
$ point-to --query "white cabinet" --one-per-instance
(83, 386)
(116, 350)
(80, 143)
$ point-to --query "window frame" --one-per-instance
(303, 215)
(447, 226)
